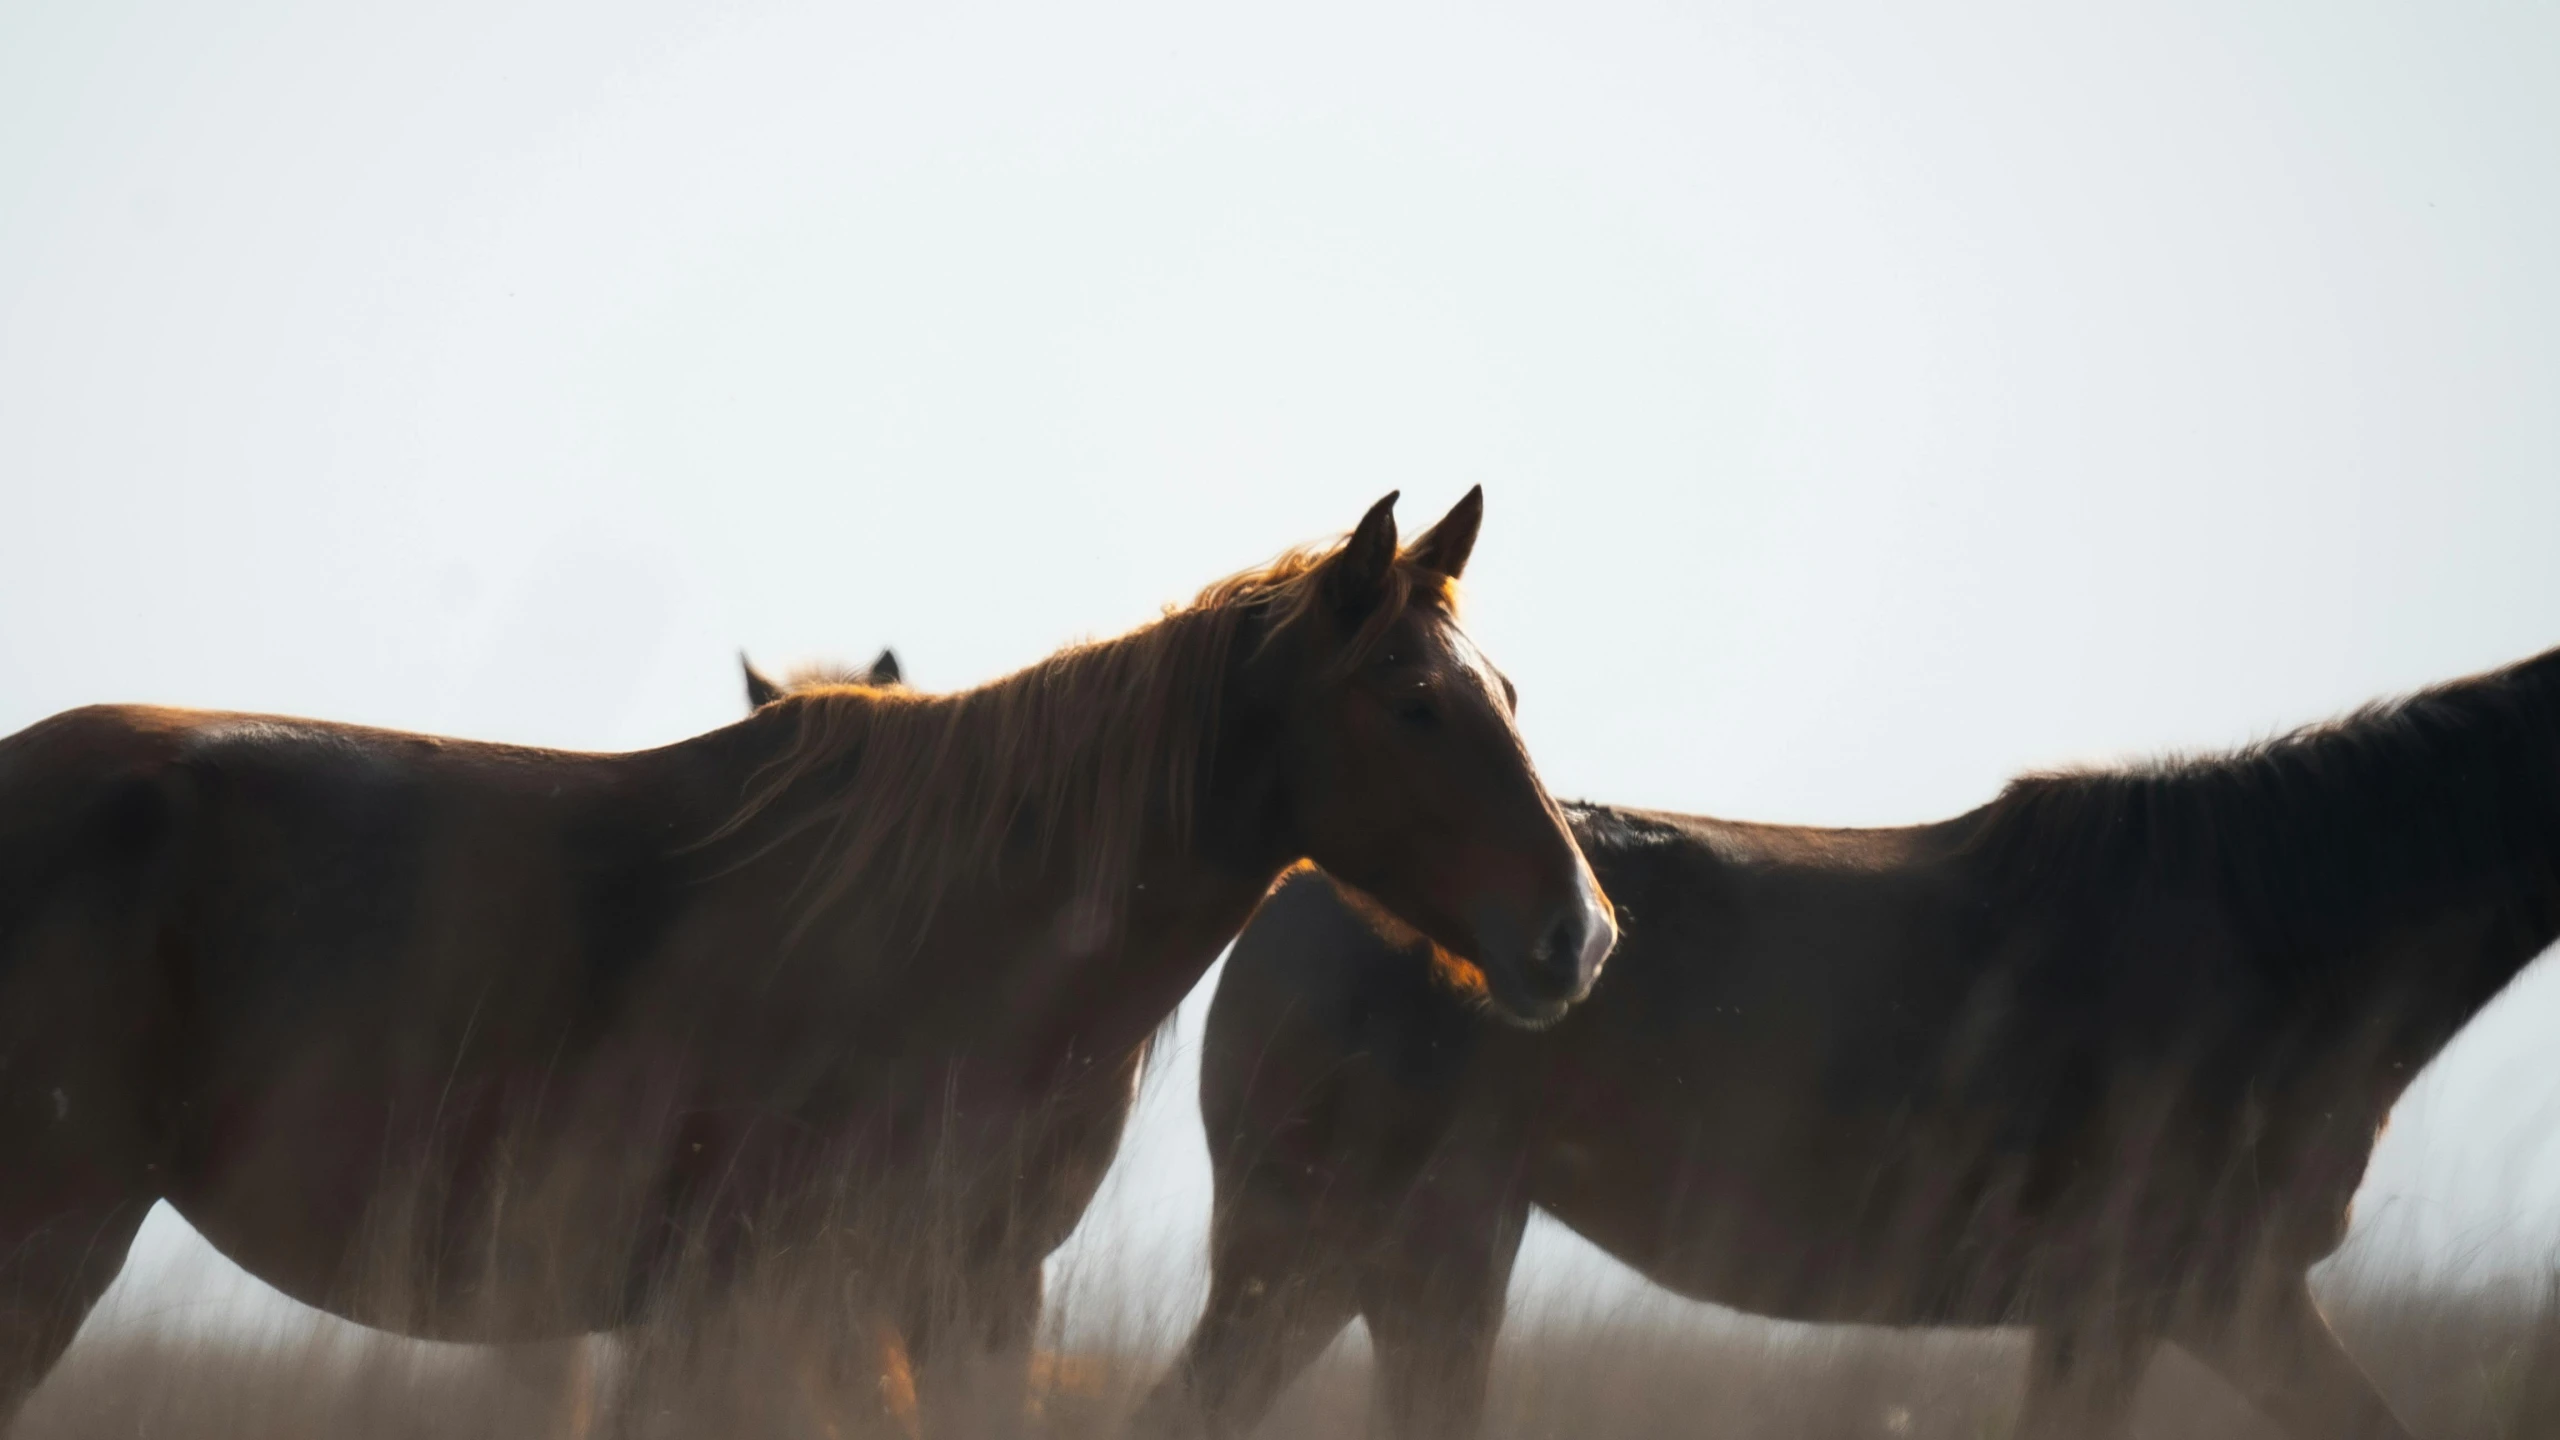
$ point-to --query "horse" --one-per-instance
(480, 1042)
(762, 690)
(2105, 1058)
(1080, 1124)
(565, 1371)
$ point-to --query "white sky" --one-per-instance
(1870, 402)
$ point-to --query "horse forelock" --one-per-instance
(1095, 745)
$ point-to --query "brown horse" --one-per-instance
(1076, 1132)
(481, 1042)
(2105, 1058)
(763, 690)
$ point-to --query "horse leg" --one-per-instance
(1279, 1291)
(77, 1157)
(2280, 1353)
(973, 1362)
(1433, 1298)
(2081, 1383)
(554, 1379)
(859, 1381)
(56, 1259)
(894, 1390)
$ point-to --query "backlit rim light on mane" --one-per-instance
(1097, 741)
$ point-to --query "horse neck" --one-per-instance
(1191, 891)
(2460, 890)
(2431, 975)
(1041, 953)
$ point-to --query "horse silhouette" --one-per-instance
(2105, 1058)
(482, 1042)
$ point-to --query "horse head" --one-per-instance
(1406, 779)
(763, 690)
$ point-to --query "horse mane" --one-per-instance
(826, 675)
(2313, 837)
(1095, 746)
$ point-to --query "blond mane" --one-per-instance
(1099, 745)
(826, 675)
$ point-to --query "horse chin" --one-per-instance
(1523, 1012)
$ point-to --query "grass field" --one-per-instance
(2476, 1365)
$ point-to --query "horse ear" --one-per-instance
(760, 690)
(1443, 549)
(1356, 575)
(884, 671)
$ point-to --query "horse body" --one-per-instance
(2105, 1058)
(610, 1033)
(1747, 1217)
(481, 1042)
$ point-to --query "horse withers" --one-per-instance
(2104, 1058)
(482, 1042)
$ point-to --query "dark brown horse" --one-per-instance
(2105, 1058)
(483, 1042)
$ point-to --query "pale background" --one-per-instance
(1871, 401)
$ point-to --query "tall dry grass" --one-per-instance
(2473, 1365)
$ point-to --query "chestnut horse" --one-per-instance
(763, 690)
(480, 1042)
(1075, 1135)
(2104, 1058)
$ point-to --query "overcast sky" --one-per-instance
(1871, 401)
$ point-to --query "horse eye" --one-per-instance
(1417, 713)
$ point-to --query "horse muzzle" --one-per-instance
(1551, 974)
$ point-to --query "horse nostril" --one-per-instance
(1556, 962)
